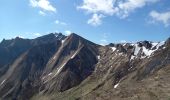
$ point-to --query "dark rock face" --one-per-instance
(167, 43)
(147, 44)
(52, 37)
(27, 59)
(28, 67)
(56, 67)
(78, 60)
(11, 49)
(111, 45)
(120, 48)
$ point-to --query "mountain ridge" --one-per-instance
(61, 67)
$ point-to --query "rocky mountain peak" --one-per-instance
(140, 49)
(75, 37)
(146, 44)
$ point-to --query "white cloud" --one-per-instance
(128, 6)
(43, 4)
(67, 32)
(98, 8)
(42, 13)
(95, 6)
(60, 22)
(120, 8)
(163, 17)
(95, 20)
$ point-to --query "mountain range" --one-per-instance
(59, 67)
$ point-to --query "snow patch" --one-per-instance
(98, 57)
(132, 57)
(59, 69)
(142, 57)
(3, 82)
(157, 45)
(74, 54)
(153, 45)
(130, 68)
(115, 86)
(54, 57)
(137, 49)
(56, 35)
(160, 44)
(132, 44)
(49, 74)
(147, 52)
(113, 48)
(62, 41)
(124, 44)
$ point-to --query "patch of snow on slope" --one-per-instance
(132, 44)
(115, 86)
(160, 44)
(132, 57)
(49, 74)
(45, 77)
(59, 69)
(74, 54)
(113, 48)
(137, 49)
(157, 45)
(2, 82)
(147, 52)
(56, 35)
(153, 45)
(130, 68)
(98, 57)
(62, 41)
(54, 57)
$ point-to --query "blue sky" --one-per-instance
(101, 21)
